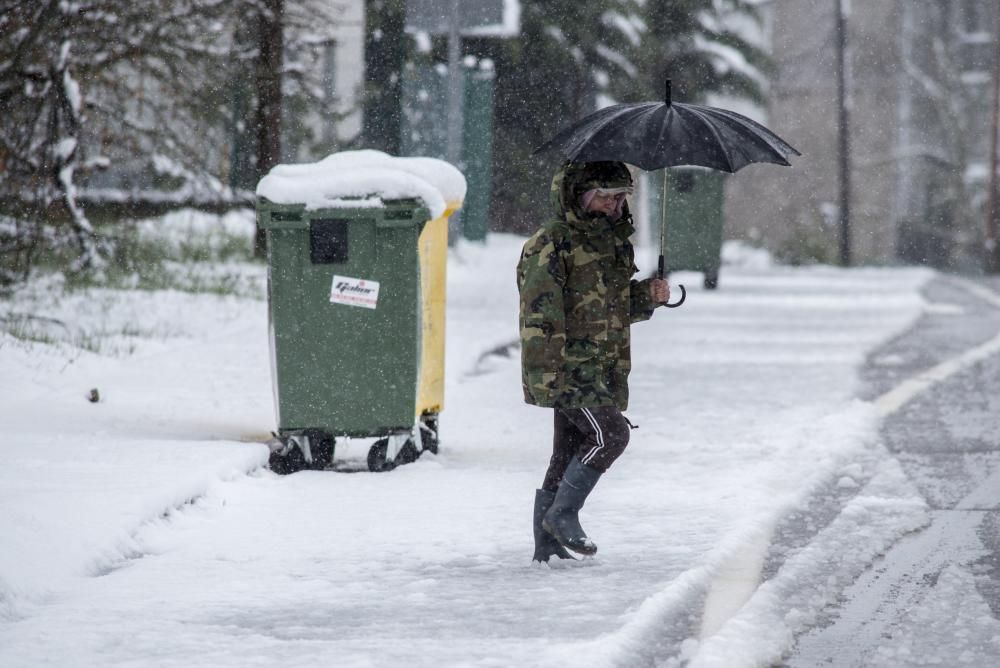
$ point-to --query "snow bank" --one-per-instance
(341, 179)
(762, 630)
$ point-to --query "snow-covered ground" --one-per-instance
(145, 529)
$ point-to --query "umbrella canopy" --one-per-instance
(654, 135)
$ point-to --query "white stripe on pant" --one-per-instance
(599, 434)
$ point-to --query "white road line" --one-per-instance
(938, 308)
(980, 291)
(736, 580)
(897, 397)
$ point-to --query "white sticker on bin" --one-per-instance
(354, 292)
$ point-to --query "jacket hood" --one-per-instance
(575, 178)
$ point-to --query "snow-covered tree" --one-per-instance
(42, 109)
(576, 55)
(944, 103)
(702, 46)
(145, 91)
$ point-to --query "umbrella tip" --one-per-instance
(666, 95)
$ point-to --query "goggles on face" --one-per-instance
(605, 192)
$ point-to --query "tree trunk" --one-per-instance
(269, 74)
(385, 53)
(991, 245)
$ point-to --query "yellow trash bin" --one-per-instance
(433, 287)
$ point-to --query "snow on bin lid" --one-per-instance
(336, 179)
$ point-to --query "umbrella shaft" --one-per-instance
(663, 225)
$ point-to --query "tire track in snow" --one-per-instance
(17, 603)
(132, 546)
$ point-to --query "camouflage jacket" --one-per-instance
(578, 300)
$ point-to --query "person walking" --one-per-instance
(577, 302)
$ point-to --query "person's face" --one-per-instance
(605, 203)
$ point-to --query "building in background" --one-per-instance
(337, 122)
(919, 99)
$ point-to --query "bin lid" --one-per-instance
(352, 179)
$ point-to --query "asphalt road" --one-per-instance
(934, 597)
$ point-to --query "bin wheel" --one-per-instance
(322, 447)
(711, 280)
(408, 454)
(377, 455)
(293, 462)
(288, 458)
(429, 435)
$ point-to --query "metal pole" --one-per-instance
(453, 151)
(667, 99)
(843, 135)
(454, 148)
(663, 226)
(661, 269)
(991, 250)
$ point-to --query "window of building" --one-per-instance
(976, 16)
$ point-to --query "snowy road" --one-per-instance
(140, 531)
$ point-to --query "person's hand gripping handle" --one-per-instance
(659, 289)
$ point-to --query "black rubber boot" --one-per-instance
(562, 520)
(545, 544)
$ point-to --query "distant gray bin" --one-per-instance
(694, 222)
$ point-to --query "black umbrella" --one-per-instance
(655, 135)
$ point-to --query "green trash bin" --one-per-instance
(694, 222)
(357, 253)
(344, 322)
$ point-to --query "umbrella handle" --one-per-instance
(659, 274)
(679, 301)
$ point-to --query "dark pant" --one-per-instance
(596, 435)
